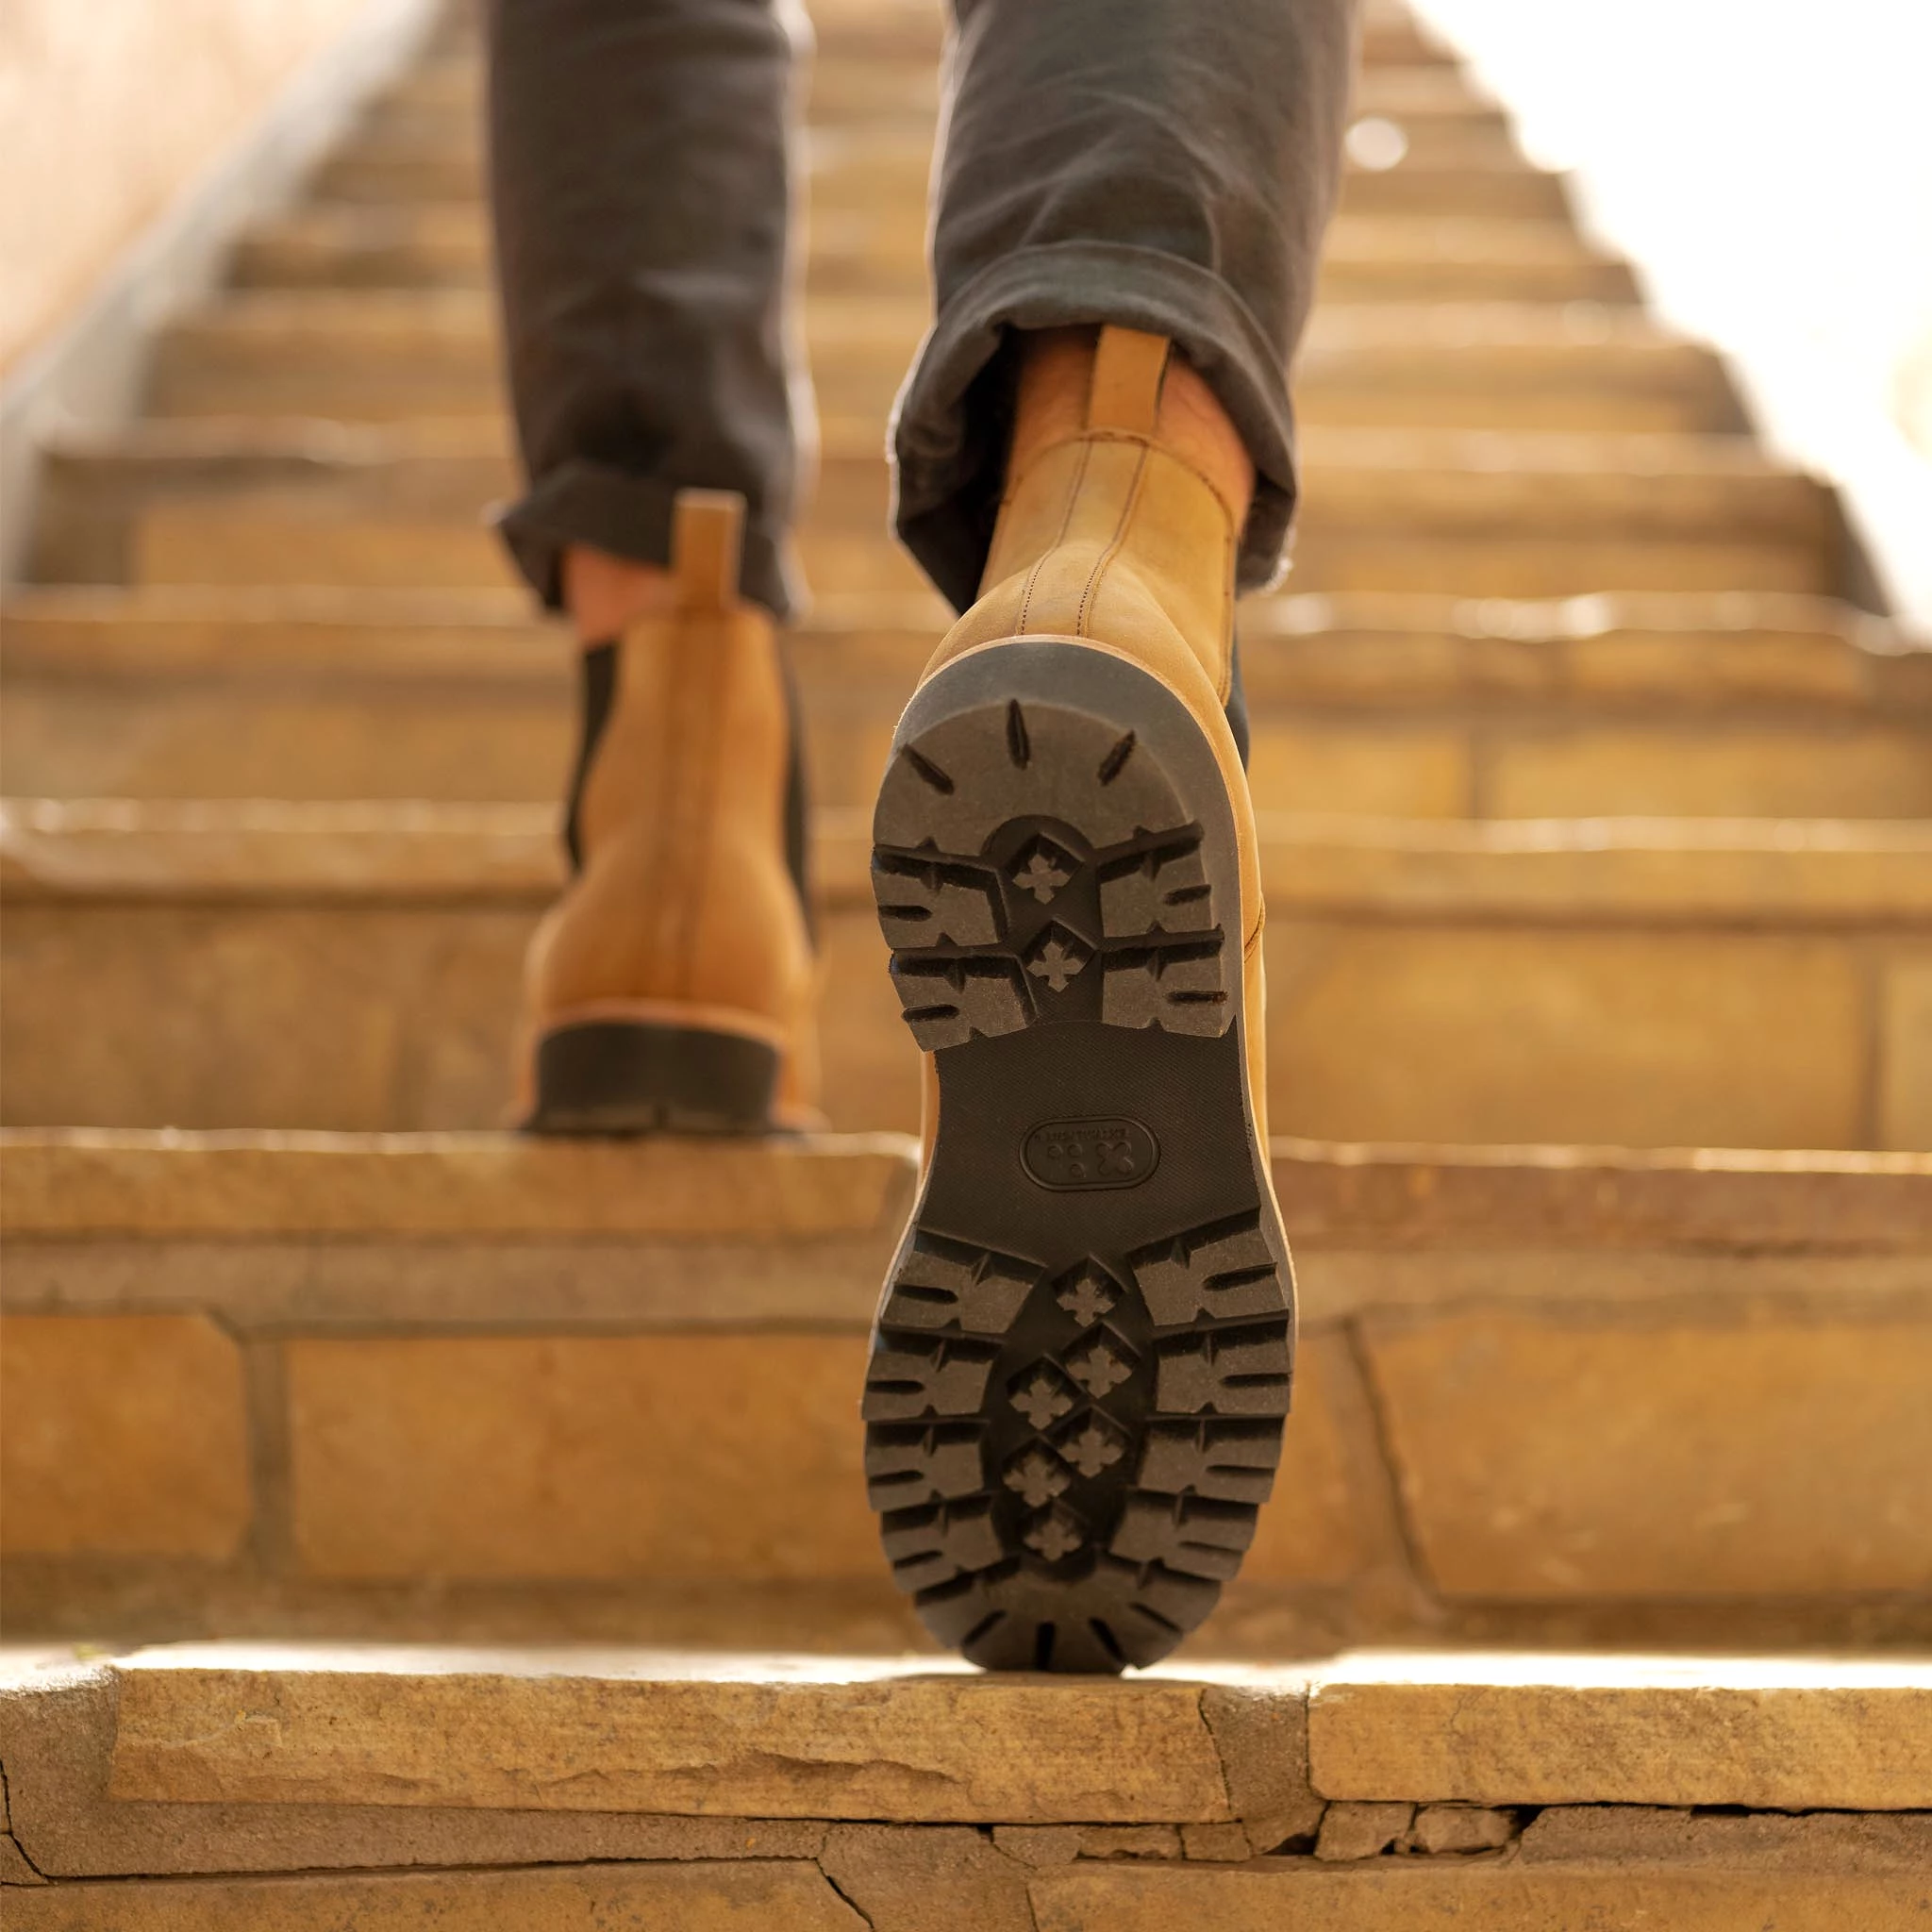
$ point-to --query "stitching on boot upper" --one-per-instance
(1147, 442)
(1072, 497)
(1114, 542)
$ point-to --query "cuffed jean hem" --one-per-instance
(630, 517)
(950, 443)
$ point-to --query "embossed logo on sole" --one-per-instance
(1070, 1155)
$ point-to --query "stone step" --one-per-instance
(454, 467)
(1364, 259)
(208, 1787)
(1412, 536)
(885, 176)
(255, 1378)
(842, 90)
(1482, 514)
(1721, 982)
(347, 245)
(396, 156)
(1421, 706)
(1399, 56)
(383, 355)
(445, 90)
(446, 106)
(380, 355)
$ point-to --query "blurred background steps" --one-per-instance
(1648, 706)
(1708, 981)
(369, 355)
(1491, 514)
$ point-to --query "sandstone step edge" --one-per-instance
(443, 318)
(1373, 1867)
(1625, 1729)
(1695, 871)
(358, 445)
(1528, 487)
(1361, 650)
(920, 1742)
(66, 1183)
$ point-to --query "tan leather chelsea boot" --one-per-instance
(670, 987)
(1081, 1360)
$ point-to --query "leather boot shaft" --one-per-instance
(1119, 528)
(684, 910)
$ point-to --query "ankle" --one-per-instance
(604, 593)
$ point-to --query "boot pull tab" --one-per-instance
(707, 541)
(1128, 369)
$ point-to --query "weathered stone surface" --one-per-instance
(1128, 1841)
(71, 1181)
(340, 1017)
(1299, 766)
(331, 968)
(1335, 1284)
(1640, 1835)
(1460, 1828)
(1060, 1844)
(378, 355)
(1335, 554)
(1045, 1844)
(250, 850)
(1263, 1740)
(1677, 872)
(1689, 1200)
(1317, 1526)
(14, 1869)
(1596, 1203)
(927, 1878)
(585, 1456)
(56, 1728)
(592, 1898)
(1905, 1113)
(122, 1436)
(1726, 771)
(1517, 1729)
(1332, 658)
(1416, 1895)
(206, 692)
(1218, 1844)
(1671, 871)
(1534, 1450)
(554, 1285)
(1389, 1031)
(709, 1735)
(1357, 1830)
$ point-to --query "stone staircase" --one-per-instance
(1598, 844)
(463, 1788)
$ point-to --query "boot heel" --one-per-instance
(1082, 1358)
(631, 1076)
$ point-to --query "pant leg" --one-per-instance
(1167, 165)
(639, 176)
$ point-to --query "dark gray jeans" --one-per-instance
(1164, 164)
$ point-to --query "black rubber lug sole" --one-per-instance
(1081, 1362)
(629, 1077)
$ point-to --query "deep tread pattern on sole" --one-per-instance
(1057, 878)
(1082, 1354)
